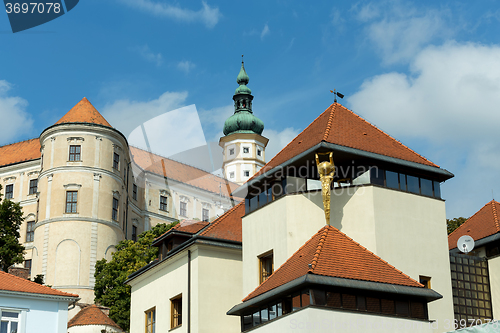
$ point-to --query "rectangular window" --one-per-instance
(134, 233)
(437, 189)
(231, 151)
(71, 201)
(426, 187)
(426, 281)
(9, 321)
(183, 210)
(266, 266)
(9, 191)
(27, 264)
(30, 231)
(150, 320)
(246, 173)
(33, 186)
(74, 153)
(259, 152)
(246, 150)
(204, 214)
(231, 175)
(116, 161)
(413, 184)
(163, 203)
(114, 215)
(392, 179)
(134, 192)
(377, 176)
(176, 314)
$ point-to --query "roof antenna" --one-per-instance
(336, 93)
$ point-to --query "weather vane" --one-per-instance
(336, 93)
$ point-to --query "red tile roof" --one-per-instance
(91, 315)
(341, 126)
(332, 253)
(484, 223)
(181, 172)
(190, 228)
(20, 152)
(83, 112)
(11, 282)
(228, 226)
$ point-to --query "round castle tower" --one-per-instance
(242, 143)
(85, 177)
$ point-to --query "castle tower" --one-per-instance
(244, 146)
(84, 178)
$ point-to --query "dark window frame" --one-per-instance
(116, 161)
(176, 312)
(9, 191)
(163, 203)
(30, 231)
(71, 202)
(33, 186)
(183, 209)
(75, 152)
(114, 212)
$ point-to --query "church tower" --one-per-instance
(244, 146)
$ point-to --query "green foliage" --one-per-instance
(11, 218)
(38, 279)
(452, 224)
(130, 256)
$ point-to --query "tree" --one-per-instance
(11, 218)
(454, 223)
(109, 289)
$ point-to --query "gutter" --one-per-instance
(319, 280)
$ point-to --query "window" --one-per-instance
(231, 175)
(176, 313)
(116, 161)
(204, 214)
(183, 209)
(134, 192)
(27, 264)
(246, 173)
(9, 321)
(266, 266)
(150, 320)
(134, 233)
(30, 231)
(33, 186)
(426, 281)
(163, 203)
(71, 201)
(246, 150)
(259, 152)
(231, 151)
(9, 191)
(114, 215)
(74, 153)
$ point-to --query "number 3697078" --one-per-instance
(33, 7)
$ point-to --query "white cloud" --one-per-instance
(450, 100)
(207, 15)
(278, 140)
(13, 111)
(147, 54)
(399, 31)
(265, 31)
(125, 115)
(185, 66)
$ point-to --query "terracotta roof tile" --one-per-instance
(341, 126)
(228, 226)
(332, 253)
(83, 112)
(20, 152)
(190, 228)
(180, 172)
(11, 282)
(91, 315)
(484, 223)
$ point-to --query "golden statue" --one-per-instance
(326, 172)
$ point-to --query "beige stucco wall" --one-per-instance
(215, 288)
(316, 320)
(494, 271)
(406, 230)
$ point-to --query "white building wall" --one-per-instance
(494, 271)
(316, 320)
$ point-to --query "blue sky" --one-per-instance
(427, 73)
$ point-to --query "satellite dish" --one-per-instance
(465, 244)
(220, 212)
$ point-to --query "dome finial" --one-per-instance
(242, 78)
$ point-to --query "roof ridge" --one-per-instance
(462, 226)
(13, 143)
(220, 218)
(329, 124)
(495, 215)
(321, 242)
(381, 131)
(40, 285)
(376, 256)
